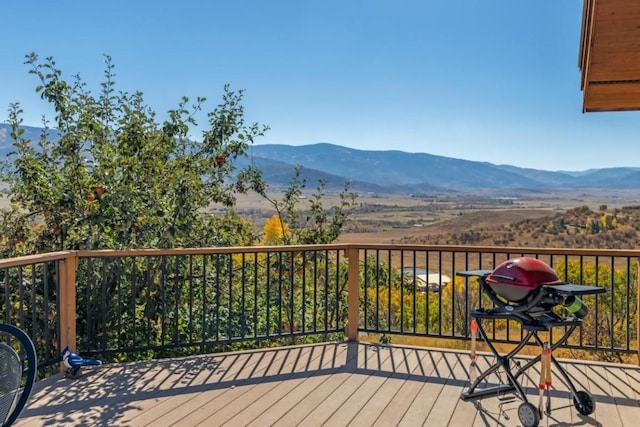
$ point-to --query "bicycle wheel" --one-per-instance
(18, 366)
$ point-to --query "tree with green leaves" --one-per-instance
(310, 222)
(115, 176)
(108, 174)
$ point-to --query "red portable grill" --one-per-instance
(516, 280)
(527, 290)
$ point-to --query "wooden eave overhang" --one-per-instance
(610, 55)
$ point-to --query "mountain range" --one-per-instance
(398, 171)
(420, 172)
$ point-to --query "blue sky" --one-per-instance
(492, 81)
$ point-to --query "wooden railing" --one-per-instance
(32, 288)
(612, 326)
(151, 303)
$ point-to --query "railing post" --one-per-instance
(353, 300)
(67, 302)
(638, 311)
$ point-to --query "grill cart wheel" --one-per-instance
(528, 414)
(584, 402)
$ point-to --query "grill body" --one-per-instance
(516, 279)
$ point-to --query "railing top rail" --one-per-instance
(36, 259)
(53, 256)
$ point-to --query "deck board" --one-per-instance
(409, 388)
(623, 395)
(376, 406)
(464, 413)
(264, 402)
(425, 399)
(330, 384)
(607, 411)
(175, 408)
(293, 391)
(334, 405)
(253, 383)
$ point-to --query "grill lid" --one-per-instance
(517, 278)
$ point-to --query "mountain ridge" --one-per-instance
(439, 172)
(399, 171)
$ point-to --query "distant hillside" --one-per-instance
(395, 167)
(418, 170)
(619, 178)
(32, 133)
(402, 172)
(580, 227)
(279, 174)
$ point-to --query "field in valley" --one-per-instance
(397, 218)
(425, 219)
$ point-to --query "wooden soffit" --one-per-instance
(610, 55)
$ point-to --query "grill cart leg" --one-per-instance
(512, 385)
(583, 401)
(542, 383)
(473, 367)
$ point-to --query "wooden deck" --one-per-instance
(334, 384)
